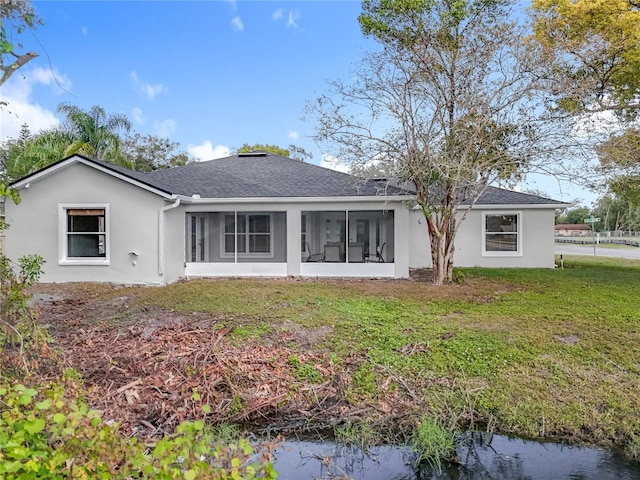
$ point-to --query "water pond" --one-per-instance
(481, 457)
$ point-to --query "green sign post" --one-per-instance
(592, 220)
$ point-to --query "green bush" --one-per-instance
(47, 434)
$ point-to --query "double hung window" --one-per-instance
(249, 233)
(502, 234)
(84, 234)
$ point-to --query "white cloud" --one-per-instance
(136, 113)
(236, 23)
(292, 18)
(232, 4)
(150, 91)
(329, 161)
(600, 123)
(85, 31)
(21, 108)
(165, 128)
(292, 21)
(294, 135)
(45, 76)
(206, 151)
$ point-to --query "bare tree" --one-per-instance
(449, 104)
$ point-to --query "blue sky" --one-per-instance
(210, 75)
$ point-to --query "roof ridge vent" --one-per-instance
(255, 153)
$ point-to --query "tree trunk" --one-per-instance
(441, 241)
(441, 229)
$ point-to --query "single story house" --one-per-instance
(572, 229)
(254, 214)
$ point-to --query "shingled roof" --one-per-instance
(263, 175)
(500, 196)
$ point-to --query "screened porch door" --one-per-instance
(198, 248)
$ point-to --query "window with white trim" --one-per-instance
(502, 234)
(84, 234)
(251, 235)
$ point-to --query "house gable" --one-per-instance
(137, 179)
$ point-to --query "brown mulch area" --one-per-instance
(151, 370)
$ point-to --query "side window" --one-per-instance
(502, 234)
(84, 234)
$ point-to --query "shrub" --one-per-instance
(47, 434)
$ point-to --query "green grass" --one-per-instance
(433, 442)
(541, 352)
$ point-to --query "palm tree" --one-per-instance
(24, 156)
(92, 133)
(95, 133)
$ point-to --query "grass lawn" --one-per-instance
(535, 352)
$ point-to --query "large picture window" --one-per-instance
(84, 234)
(251, 234)
(502, 232)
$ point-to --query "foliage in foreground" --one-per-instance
(50, 433)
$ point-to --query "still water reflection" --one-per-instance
(481, 458)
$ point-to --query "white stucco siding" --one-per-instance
(132, 225)
(174, 244)
(535, 230)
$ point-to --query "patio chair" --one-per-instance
(313, 257)
(332, 253)
(377, 255)
(356, 253)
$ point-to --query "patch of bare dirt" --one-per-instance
(149, 370)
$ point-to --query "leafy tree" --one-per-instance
(593, 50)
(448, 103)
(620, 165)
(22, 157)
(94, 133)
(574, 215)
(617, 213)
(16, 16)
(295, 152)
(149, 152)
(259, 147)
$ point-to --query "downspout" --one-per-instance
(161, 234)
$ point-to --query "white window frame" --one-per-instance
(63, 235)
(518, 232)
(236, 254)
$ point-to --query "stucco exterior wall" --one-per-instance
(132, 226)
(536, 231)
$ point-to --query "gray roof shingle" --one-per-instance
(500, 196)
(265, 175)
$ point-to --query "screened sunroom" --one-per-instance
(328, 242)
(360, 236)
